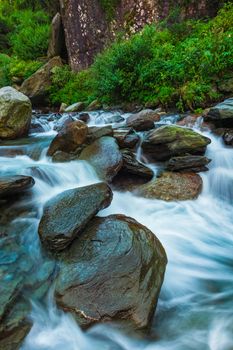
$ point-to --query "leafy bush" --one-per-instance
(4, 70)
(175, 64)
(109, 7)
(30, 34)
(178, 64)
(12, 67)
(69, 87)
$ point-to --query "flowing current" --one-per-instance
(195, 309)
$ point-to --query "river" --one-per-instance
(195, 309)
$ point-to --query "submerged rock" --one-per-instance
(72, 135)
(143, 120)
(172, 187)
(221, 114)
(171, 140)
(15, 113)
(66, 214)
(188, 163)
(12, 185)
(112, 272)
(105, 157)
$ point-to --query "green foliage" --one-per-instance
(170, 65)
(109, 7)
(11, 67)
(69, 87)
(30, 34)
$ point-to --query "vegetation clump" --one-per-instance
(178, 65)
(24, 37)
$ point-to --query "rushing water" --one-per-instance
(195, 309)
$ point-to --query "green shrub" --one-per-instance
(70, 87)
(109, 7)
(178, 64)
(30, 34)
(12, 67)
(4, 70)
(175, 64)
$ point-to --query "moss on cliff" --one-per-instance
(109, 7)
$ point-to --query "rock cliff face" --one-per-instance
(89, 26)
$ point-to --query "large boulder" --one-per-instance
(112, 272)
(66, 214)
(222, 114)
(71, 135)
(171, 140)
(37, 85)
(15, 113)
(105, 157)
(12, 185)
(172, 187)
(143, 120)
(188, 163)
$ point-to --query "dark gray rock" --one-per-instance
(66, 215)
(228, 137)
(112, 272)
(188, 163)
(132, 166)
(105, 157)
(12, 185)
(143, 120)
(126, 137)
(221, 115)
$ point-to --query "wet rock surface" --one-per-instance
(15, 113)
(76, 207)
(143, 120)
(172, 187)
(96, 132)
(126, 138)
(228, 137)
(112, 272)
(132, 166)
(105, 157)
(169, 141)
(188, 163)
(72, 135)
(14, 185)
(221, 114)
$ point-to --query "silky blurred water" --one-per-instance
(195, 309)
